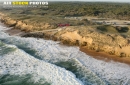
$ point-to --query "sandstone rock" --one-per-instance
(122, 54)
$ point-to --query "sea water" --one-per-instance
(32, 61)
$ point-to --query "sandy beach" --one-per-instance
(16, 32)
(104, 56)
(97, 55)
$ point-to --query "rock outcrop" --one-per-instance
(112, 44)
(24, 25)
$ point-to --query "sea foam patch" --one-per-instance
(113, 73)
(20, 63)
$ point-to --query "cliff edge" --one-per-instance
(84, 36)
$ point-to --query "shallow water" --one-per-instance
(44, 62)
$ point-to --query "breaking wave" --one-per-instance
(45, 62)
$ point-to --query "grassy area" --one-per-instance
(107, 28)
(124, 31)
(57, 11)
(38, 15)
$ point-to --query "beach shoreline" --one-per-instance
(16, 32)
(70, 36)
(104, 56)
(97, 55)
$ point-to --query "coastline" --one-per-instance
(104, 56)
(97, 55)
(17, 32)
(71, 37)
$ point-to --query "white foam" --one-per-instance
(20, 63)
(3, 27)
(53, 52)
(112, 72)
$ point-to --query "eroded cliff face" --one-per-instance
(76, 35)
(109, 43)
(25, 25)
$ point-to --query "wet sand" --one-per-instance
(97, 55)
(13, 31)
(104, 56)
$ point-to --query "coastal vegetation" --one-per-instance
(96, 26)
(57, 11)
(101, 9)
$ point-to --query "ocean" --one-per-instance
(32, 61)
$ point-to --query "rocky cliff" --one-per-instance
(77, 35)
(83, 36)
(24, 25)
